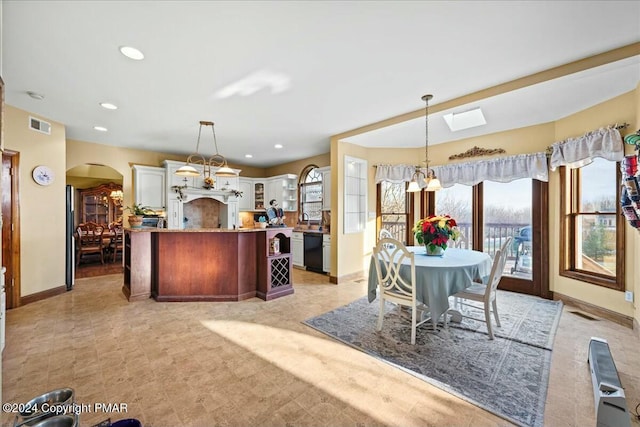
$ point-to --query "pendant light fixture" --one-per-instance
(433, 183)
(217, 160)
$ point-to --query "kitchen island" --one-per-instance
(207, 264)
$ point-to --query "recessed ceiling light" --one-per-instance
(108, 106)
(277, 146)
(35, 95)
(131, 52)
(100, 128)
(465, 119)
(248, 156)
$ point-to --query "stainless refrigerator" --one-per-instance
(70, 249)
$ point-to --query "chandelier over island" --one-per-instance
(216, 161)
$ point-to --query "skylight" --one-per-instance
(465, 120)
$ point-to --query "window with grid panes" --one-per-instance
(593, 227)
(311, 196)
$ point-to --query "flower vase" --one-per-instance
(436, 251)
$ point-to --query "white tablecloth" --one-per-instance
(438, 277)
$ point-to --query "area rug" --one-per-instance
(507, 376)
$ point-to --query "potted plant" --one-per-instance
(137, 214)
(434, 232)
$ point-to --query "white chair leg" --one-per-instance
(495, 312)
(413, 325)
(487, 317)
(381, 314)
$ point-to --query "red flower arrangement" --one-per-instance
(436, 231)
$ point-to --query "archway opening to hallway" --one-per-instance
(94, 196)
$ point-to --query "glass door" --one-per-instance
(517, 209)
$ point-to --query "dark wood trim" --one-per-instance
(477, 217)
(13, 233)
(43, 295)
(333, 279)
(569, 202)
(594, 310)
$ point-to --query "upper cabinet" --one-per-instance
(149, 186)
(283, 188)
(220, 183)
(245, 203)
(258, 195)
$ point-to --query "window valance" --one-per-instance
(504, 169)
(395, 174)
(577, 152)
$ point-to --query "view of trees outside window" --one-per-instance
(393, 207)
(456, 201)
(595, 225)
(507, 213)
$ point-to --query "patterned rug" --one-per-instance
(507, 376)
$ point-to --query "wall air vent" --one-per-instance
(39, 125)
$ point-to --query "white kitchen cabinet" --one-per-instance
(284, 189)
(259, 188)
(149, 186)
(245, 203)
(171, 166)
(297, 242)
(326, 253)
(174, 214)
(326, 188)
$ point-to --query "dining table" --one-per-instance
(439, 277)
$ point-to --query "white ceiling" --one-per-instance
(330, 67)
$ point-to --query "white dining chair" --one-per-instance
(388, 256)
(384, 233)
(484, 293)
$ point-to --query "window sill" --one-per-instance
(607, 282)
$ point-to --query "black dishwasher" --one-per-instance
(313, 251)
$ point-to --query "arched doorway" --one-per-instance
(94, 193)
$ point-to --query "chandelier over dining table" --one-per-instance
(433, 183)
(215, 161)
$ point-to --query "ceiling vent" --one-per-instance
(39, 125)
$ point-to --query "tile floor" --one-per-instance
(254, 363)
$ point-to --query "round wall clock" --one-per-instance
(43, 175)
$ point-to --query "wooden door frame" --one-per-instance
(14, 157)
(539, 283)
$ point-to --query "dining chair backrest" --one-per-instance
(506, 245)
(389, 255)
(391, 258)
(499, 260)
(384, 233)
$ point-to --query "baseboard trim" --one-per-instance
(636, 328)
(603, 313)
(349, 277)
(28, 299)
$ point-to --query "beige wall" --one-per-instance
(297, 166)
(532, 139)
(42, 209)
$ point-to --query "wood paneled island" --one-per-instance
(206, 264)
